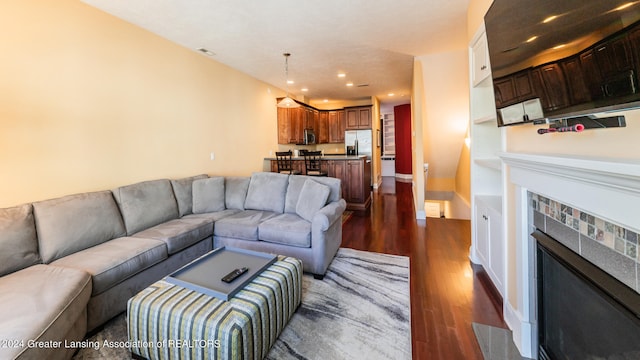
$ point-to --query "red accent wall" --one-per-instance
(402, 117)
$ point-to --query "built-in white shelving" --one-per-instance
(486, 119)
(491, 163)
(487, 247)
(389, 134)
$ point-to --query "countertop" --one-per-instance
(327, 157)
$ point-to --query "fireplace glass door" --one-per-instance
(583, 313)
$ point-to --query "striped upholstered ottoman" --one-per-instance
(167, 321)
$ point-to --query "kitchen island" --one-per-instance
(353, 170)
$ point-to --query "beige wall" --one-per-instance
(90, 102)
(463, 175)
(446, 102)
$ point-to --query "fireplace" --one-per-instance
(589, 206)
(583, 312)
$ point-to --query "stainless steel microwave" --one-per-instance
(309, 136)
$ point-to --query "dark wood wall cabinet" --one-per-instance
(358, 117)
(604, 71)
(353, 171)
(328, 125)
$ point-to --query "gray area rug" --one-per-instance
(360, 310)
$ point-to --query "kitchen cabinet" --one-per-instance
(293, 121)
(489, 244)
(578, 91)
(592, 76)
(337, 126)
(550, 86)
(291, 125)
(322, 127)
(358, 117)
(614, 57)
(480, 60)
(338, 170)
(513, 89)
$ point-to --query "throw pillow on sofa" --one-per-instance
(313, 197)
(208, 195)
(183, 190)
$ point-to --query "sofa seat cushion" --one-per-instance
(286, 229)
(115, 261)
(40, 303)
(179, 234)
(242, 225)
(213, 216)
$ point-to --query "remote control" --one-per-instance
(234, 274)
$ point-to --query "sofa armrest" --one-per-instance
(329, 214)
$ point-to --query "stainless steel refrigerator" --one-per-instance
(361, 140)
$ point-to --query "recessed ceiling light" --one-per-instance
(304, 89)
(326, 100)
(341, 75)
(391, 94)
(550, 19)
(206, 52)
(533, 38)
(349, 84)
(290, 82)
(559, 46)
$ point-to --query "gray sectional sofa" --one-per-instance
(68, 265)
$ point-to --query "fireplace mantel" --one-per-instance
(609, 188)
(605, 187)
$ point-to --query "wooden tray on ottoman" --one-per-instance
(205, 274)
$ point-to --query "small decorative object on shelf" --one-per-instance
(574, 128)
(581, 123)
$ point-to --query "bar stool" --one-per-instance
(313, 163)
(285, 164)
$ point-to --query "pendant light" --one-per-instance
(287, 102)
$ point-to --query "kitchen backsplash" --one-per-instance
(610, 246)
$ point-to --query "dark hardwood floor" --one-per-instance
(447, 292)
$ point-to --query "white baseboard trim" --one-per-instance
(522, 330)
(421, 215)
(404, 176)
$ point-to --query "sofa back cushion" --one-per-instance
(146, 204)
(182, 190)
(235, 191)
(267, 192)
(76, 222)
(208, 195)
(295, 187)
(18, 241)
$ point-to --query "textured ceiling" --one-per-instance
(373, 42)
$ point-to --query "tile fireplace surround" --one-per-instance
(611, 247)
(592, 203)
